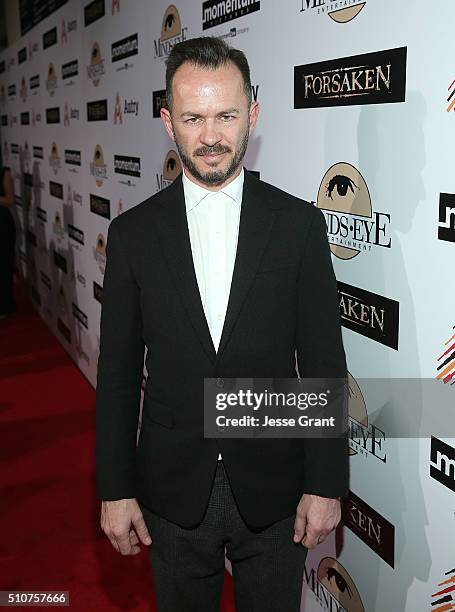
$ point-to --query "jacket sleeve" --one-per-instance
(119, 376)
(320, 354)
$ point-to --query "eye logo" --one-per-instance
(342, 184)
(98, 168)
(335, 578)
(54, 159)
(171, 33)
(99, 253)
(51, 83)
(23, 90)
(171, 23)
(352, 225)
(172, 167)
(96, 68)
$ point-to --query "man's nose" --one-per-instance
(210, 133)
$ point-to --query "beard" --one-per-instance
(217, 176)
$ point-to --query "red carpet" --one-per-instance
(50, 533)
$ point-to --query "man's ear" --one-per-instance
(253, 116)
(166, 118)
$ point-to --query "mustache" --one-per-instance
(206, 150)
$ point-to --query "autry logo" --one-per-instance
(352, 225)
(341, 12)
(172, 32)
(370, 78)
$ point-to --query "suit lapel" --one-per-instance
(256, 221)
(175, 239)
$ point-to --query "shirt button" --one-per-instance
(219, 317)
(219, 382)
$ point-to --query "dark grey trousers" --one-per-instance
(188, 564)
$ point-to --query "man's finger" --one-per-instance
(124, 544)
(141, 530)
(299, 526)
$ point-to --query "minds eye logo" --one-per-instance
(172, 32)
(352, 225)
(98, 168)
(171, 169)
(333, 586)
(99, 253)
(51, 83)
(333, 10)
(96, 68)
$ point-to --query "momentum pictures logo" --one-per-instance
(216, 12)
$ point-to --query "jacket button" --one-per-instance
(219, 382)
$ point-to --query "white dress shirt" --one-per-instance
(213, 222)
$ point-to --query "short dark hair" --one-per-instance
(206, 52)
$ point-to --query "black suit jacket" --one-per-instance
(283, 299)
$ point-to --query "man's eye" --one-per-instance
(227, 117)
(192, 120)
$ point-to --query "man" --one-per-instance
(219, 276)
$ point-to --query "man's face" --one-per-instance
(210, 122)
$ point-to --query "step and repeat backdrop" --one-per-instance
(358, 117)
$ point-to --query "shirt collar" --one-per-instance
(194, 194)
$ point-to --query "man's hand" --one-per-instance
(315, 518)
(117, 518)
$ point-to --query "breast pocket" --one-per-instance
(275, 264)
